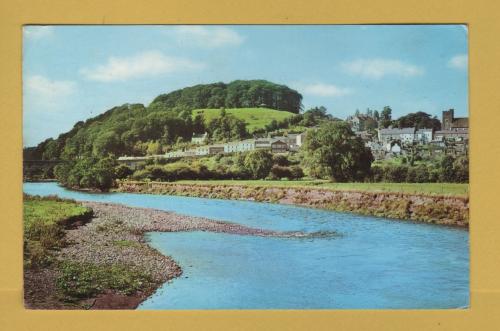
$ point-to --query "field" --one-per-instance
(453, 189)
(256, 118)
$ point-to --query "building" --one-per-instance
(405, 135)
(239, 146)
(450, 122)
(261, 143)
(455, 135)
(215, 149)
(424, 136)
(364, 135)
(279, 146)
(133, 161)
(299, 140)
(199, 139)
(361, 122)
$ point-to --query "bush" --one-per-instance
(281, 160)
(397, 174)
(123, 171)
(281, 172)
(258, 163)
(296, 172)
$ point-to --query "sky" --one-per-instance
(71, 73)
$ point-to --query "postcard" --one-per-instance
(171, 167)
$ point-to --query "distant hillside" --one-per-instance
(255, 118)
(133, 129)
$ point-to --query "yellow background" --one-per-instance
(484, 21)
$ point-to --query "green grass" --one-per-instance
(49, 211)
(256, 118)
(85, 280)
(44, 224)
(453, 189)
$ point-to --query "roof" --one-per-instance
(133, 158)
(452, 132)
(397, 131)
(460, 122)
(424, 130)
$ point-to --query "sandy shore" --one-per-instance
(116, 236)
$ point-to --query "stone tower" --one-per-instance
(448, 116)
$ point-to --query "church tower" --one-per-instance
(447, 121)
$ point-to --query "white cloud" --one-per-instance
(378, 68)
(146, 64)
(37, 31)
(46, 93)
(326, 90)
(207, 36)
(459, 61)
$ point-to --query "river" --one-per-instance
(374, 263)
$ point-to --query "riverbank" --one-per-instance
(423, 207)
(112, 243)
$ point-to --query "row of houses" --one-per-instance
(278, 144)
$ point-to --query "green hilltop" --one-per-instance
(255, 118)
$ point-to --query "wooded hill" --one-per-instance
(132, 129)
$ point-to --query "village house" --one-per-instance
(361, 122)
(279, 146)
(424, 136)
(405, 135)
(199, 139)
(456, 135)
(239, 146)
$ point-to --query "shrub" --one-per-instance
(280, 172)
(296, 172)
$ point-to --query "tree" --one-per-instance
(447, 172)
(335, 151)
(199, 124)
(420, 120)
(386, 117)
(259, 163)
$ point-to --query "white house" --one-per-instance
(405, 135)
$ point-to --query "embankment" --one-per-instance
(437, 209)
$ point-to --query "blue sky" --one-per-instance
(71, 73)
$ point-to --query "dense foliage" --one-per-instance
(334, 151)
(419, 120)
(226, 128)
(448, 169)
(87, 173)
(237, 94)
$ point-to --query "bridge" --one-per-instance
(42, 162)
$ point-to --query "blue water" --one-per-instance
(375, 263)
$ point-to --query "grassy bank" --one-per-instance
(44, 222)
(419, 202)
(452, 189)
